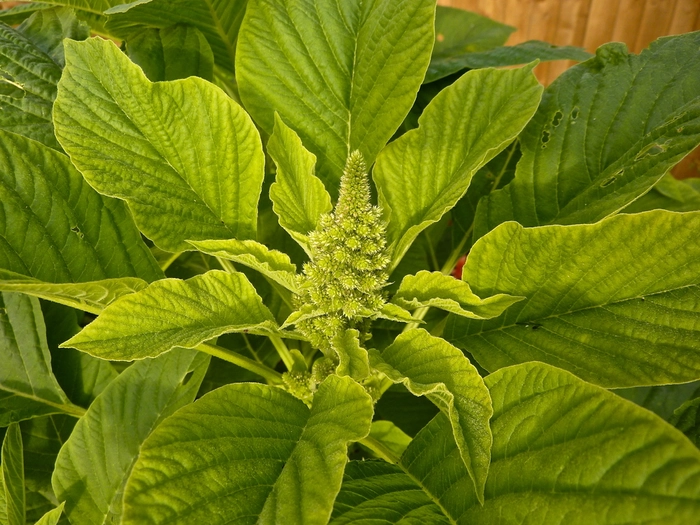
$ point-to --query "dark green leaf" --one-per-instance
(12, 472)
(687, 419)
(669, 194)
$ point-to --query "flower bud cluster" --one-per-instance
(347, 272)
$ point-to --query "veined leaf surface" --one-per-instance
(249, 453)
(12, 473)
(171, 313)
(616, 309)
(186, 157)
(341, 74)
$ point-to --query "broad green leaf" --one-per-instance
(453, 295)
(174, 313)
(27, 385)
(379, 492)
(429, 366)
(342, 74)
(616, 309)
(458, 31)
(12, 472)
(669, 194)
(353, 359)
(19, 13)
(390, 436)
(57, 229)
(602, 460)
(52, 516)
(663, 400)
(687, 419)
(423, 174)
(249, 453)
(273, 264)
(178, 51)
(394, 312)
(94, 464)
(48, 27)
(299, 198)
(91, 296)
(186, 157)
(501, 56)
(218, 20)
(607, 130)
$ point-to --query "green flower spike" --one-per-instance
(347, 272)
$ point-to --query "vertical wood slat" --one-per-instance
(685, 17)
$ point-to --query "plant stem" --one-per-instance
(170, 260)
(239, 360)
(283, 351)
(380, 450)
(73, 410)
(227, 265)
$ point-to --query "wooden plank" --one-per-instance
(655, 22)
(685, 17)
(566, 32)
(629, 16)
(601, 23)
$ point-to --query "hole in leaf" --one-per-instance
(187, 377)
(77, 231)
(536, 326)
(651, 150)
(556, 119)
(574, 113)
(545, 136)
(608, 182)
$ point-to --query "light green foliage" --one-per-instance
(298, 196)
(57, 229)
(52, 516)
(669, 194)
(342, 74)
(353, 360)
(390, 436)
(271, 263)
(174, 313)
(28, 388)
(450, 294)
(618, 310)
(345, 277)
(423, 174)
(283, 467)
(94, 464)
(429, 366)
(601, 461)
(171, 53)
(607, 130)
(12, 473)
(170, 154)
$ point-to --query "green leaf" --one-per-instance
(453, 295)
(423, 174)
(178, 51)
(501, 56)
(601, 460)
(379, 492)
(174, 313)
(57, 229)
(663, 400)
(406, 411)
(94, 464)
(458, 31)
(390, 436)
(353, 359)
(19, 13)
(249, 453)
(91, 297)
(52, 516)
(299, 198)
(342, 75)
(687, 419)
(429, 366)
(48, 27)
(607, 130)
(273, 264)
(218, 20)
(394, 312)
(27, 385)
(618, 310)
(669, 194)
(185, 156)
(12, 471)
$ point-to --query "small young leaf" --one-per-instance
(178, 51)
(607, 130)
(450, 294)
(172, 313)
(342, 75)
(617, 309)
(430, 366)
(27, 385)
(353, 359)
(185, 156)
(52, 516)
(423, 174)
(601, 460)
(12, 472)
(299, 198)
(94, 464)
(249, 453)
(271, 263)
(91, 297)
